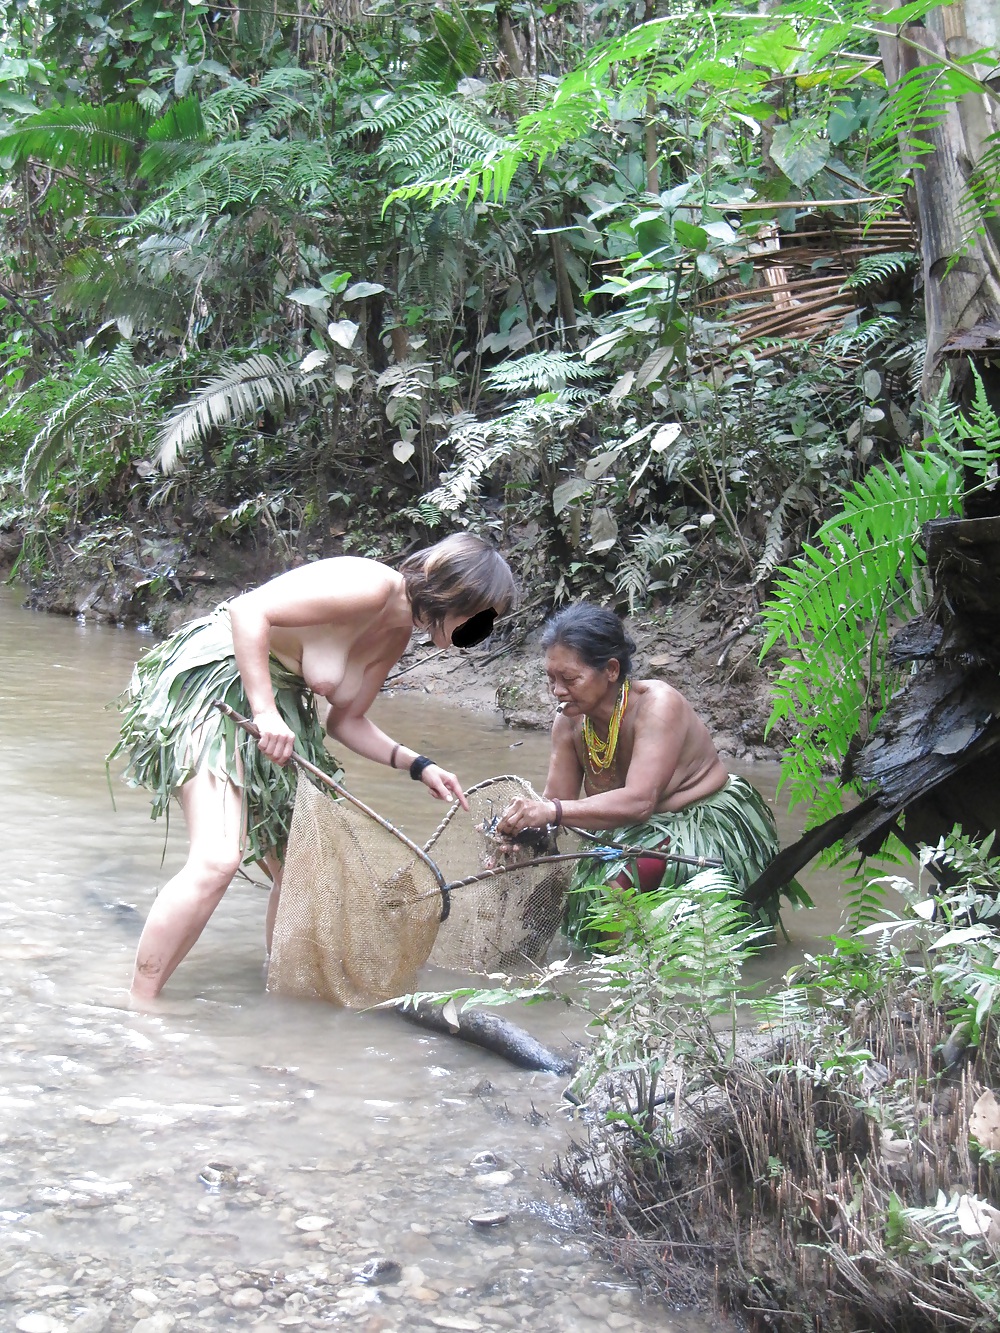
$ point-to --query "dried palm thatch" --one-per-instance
(799, 291)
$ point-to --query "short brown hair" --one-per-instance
(458, 576)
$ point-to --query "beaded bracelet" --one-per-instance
(419, 764)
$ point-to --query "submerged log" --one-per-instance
(492, 1033)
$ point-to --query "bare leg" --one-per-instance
(213, 814)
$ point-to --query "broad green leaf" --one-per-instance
(654, 366)
(315, 297)
(603, 531)
(403, 451)
(343, 376)
(343, 332)
(358, 290)
(799, 150)
(690, 236)
(568, 491)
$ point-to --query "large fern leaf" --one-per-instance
(109, 284)
(235, 396)
(96, 138)
(836, 606)
(111, 381)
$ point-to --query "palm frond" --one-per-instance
(94, 283)
(236, 395)
(96, 138)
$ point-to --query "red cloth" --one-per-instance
(650, 871)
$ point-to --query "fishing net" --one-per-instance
(360, 911)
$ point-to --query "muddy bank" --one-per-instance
(702, 642)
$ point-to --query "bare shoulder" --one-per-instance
(658, 699)
(341, 586)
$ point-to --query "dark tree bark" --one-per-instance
(961, 279)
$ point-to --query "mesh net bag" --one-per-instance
(498, 923)
(360, 912)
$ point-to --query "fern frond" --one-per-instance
(235, 396)
(540, 372)
(115, 377)
(97, 138)
(93, 282)
(876, 268)
(837, 603)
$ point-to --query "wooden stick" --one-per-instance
(325, 778)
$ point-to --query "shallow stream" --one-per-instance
(231, 1159)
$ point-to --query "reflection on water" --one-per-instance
(229, 1132)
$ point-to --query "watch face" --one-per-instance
(475, 629)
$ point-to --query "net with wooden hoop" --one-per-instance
(361, 911)
(363, 908)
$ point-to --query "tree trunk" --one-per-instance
(961, 295)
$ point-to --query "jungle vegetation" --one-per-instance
(661, 294)
(639, 288)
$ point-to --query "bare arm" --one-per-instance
(354, 729)
(659, 739)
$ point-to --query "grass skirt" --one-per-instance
(734, 826)
(170, 729)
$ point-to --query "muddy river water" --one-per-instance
(232, 1159)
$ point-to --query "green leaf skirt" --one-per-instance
(170, 729)
(734, 825)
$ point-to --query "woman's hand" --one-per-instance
(277, 740)
(443, 785)
(522, 814)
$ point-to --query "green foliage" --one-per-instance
(838, 603)
(120, 135)
(235, 395)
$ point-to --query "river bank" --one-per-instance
(701, 640)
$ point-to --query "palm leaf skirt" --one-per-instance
(170, 729)
(734, 826)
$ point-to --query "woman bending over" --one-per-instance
(328, 631)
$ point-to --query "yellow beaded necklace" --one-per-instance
(601, 754)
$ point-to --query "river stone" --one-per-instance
(455, 1321)
(161, 1322)
(246, 1298)
(94, 1320)
(379, 1271)
(38, 1323)
(485, 1161)
(143, 1297)
(489, 1219)
(493, 1180)
(314, 1223)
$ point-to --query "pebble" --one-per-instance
(314, 1223)
(161, 1322)
(246, 1298)
(378, 1271)
(485, 1161)
(455, 1321)
(493, 1180)
(94, 1320)
(620, 1321)
(38, 1323)
(489, 1219)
